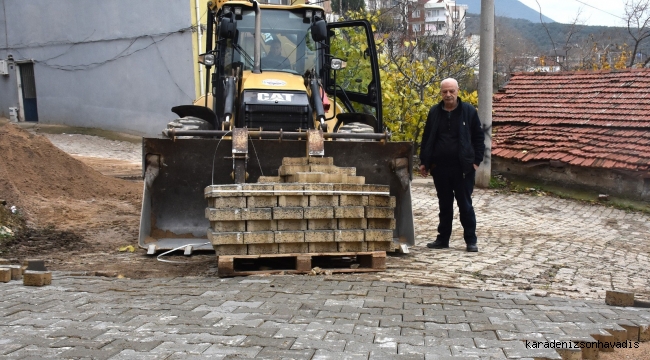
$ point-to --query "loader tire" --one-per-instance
(356, 128)
(189, 123)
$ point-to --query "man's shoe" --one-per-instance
(437, 245)
(472, 248)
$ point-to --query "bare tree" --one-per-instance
(637, 15)
(563, 53)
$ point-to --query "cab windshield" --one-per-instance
(286, 43)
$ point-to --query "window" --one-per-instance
(416, 14)
(416, 28)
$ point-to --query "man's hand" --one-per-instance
(423, 171)
(475, 167)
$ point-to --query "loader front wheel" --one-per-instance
(189, 123)
(356, 128)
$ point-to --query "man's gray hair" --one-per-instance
(450, 80)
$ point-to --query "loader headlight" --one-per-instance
(337, 64)
(237, 11)
(226, 10)
(206, 59)
(309, 13)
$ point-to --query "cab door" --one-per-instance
(357, 86)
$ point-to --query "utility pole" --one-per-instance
(485, 84)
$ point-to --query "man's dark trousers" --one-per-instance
(450, 182)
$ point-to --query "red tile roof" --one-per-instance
(595, 119)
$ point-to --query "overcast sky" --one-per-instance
(592, 12)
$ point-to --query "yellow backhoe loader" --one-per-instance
(284, 84)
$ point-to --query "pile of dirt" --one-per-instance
(39, 179)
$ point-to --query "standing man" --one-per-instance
(452, 149)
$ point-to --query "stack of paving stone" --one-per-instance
(312, 207)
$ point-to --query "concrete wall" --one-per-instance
(623, 183)
(117, 65)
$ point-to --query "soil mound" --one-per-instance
(36, 176)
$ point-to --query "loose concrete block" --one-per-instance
(258, 237)
(319, 236)
(353, 200)
(323, 247)
(319, 212)
(16, 271)
(293, 201)
(293, 248)
(256, 189)
(334, 178)
(223, 190)
(238, 249)
(291, 225)
(379, 246)
(644, 333)
(319, 189)
(620, 335)
(261, 201)
(375, 188)
(225, 238)
(285, 170)
(348, 235)
(330, 169)
(34, 264)
(321, 224)
(320, 160)
(289, 236)
(227, 202)
(5, 275)
(352, 224)
(570, 354)
(375, 212)
(261, 249)
(228, 226)
(381, 200)
(269, 179)
(37, 278)
(372, 235)
(323, 200)
(260, 225)
(348, 187)
(619, 298)
(214, 214)
(352, 246)
(381, 224)
(295, 161)
(632, 331)
(360, 180)
(288, 189)
(349, 212)
(256, 213)
(287, 213)
(4, 262)
(304, 177)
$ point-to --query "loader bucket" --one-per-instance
(177, 171)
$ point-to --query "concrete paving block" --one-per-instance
(320, 212)
(349, 235)
(352, 224)
(290, 189)
(289, 236)
(305, 177)
(5, 275)
(319, 189)
(261, 201)
(293, 201)
(288, 225)
(376, 212)
(285, 170)
(261, 249)
(326, 169)
(289, 248)
(259, 237)
(353, 200)
(381, 224)
(269, 179)
(228, 226)
(261, 225)
(256, 213)
(323, 200)
(228, 190)
(231, 249)
(352, 246)
(644, 332)
(227, 202)
(288, 213)
(319, 236)
(323, 247)
(321, 224)
(379, 246)
(378, 235)
(381, 200)
(320, 160)
(632, 331)
(37, 278)
(16, 271)
(227, 214)
(349, 212)
(225, 238)
(295, 161)
(376, 188)
(5, 262)
(255, 189)
(619, 298)
(348, 188)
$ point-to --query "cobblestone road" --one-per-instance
(541, 274)
(540, 244)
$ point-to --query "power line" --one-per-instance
(606, 12)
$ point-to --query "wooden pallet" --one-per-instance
(349, 262)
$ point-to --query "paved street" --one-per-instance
(541, 274)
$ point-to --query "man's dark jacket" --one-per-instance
(470, 135)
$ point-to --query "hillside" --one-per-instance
(507, 8)
(535, 34)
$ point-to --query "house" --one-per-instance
(590, 129)
(118, 65)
